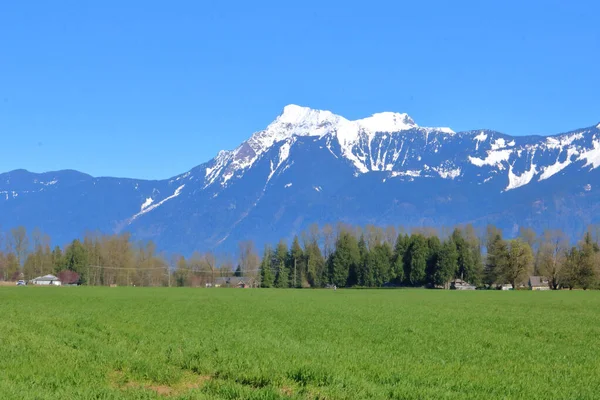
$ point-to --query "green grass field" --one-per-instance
(142, 343)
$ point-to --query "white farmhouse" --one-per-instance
(46, 280)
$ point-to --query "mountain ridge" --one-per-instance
(313, 166)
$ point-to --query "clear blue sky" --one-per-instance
(150, 89)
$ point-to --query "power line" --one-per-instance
(163, 269)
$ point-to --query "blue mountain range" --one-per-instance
(312, 166)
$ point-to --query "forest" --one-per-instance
(341, 256)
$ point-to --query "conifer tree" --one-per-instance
(434, 247)
(345, 257)
(57, 259)
(588, 258)
(497, 256)
(76, 259)
(296, 264)
(466, 264)
(416, 260)
(399, 257)
(381, 262)
(363, 274)
(266, 273)
(280, 262)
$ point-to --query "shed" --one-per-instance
(538, 283)
(47, 280)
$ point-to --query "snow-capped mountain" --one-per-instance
(314, 166)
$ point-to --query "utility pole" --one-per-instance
(294, 271)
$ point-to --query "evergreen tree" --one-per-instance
(266, 273)
(447, 264)
(363, 274)
(588, 258)
(475, 276)
(381, 261)
(57, 260)
(282, 279)
(497, 257)
(434, 247)
(466, 264)
(416, 264)
(345, 257)
(399, 256)
(280, 261)
(296, 264)
(76, 259)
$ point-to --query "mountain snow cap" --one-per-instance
(298, 115)
(388, 122)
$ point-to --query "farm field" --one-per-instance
(182, 343)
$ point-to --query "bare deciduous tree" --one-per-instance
(552, 255)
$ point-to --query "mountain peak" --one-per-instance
(298, 115)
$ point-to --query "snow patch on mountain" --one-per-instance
(154, 206)
(558, 166)
(482, 137)
(592, 156)
(441, 129)
(147, 203)
(563, 141)
(284, 153)
(411, 173)
(494, 159)
(515, 181)
(500, 143)
(220, 162)
(447, 173)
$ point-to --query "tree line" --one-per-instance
(374, 257)
(342, 256)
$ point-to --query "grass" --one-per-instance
(143, 343)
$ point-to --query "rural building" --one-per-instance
(538, 283)
(502, 286)
(47, 280)
(235, 282)
(459, 284)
